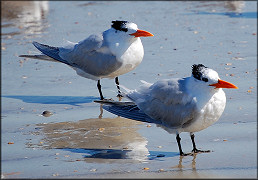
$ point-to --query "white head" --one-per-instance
(205, 83)
(206, 78)
(124, 32)
(129, 29)
(122, 35)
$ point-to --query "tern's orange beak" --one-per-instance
(223, 84)
(141, 33)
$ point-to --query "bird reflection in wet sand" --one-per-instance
(189, 166)
(99, 140)
(188, 104)
(180, 165)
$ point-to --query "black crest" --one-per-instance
(197, 71)
(119, 25)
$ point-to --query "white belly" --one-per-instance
(209, 114)
(130, 60)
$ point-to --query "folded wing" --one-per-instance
(92, 56)
(166, 101)
(127, 110)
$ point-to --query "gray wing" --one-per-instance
(50, 51)
(168, 102)
(127, 110)
(40, 56)
(92, 56)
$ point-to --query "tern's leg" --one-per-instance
(178, 139)
(195, 150)
(118, 87)
(99, 88)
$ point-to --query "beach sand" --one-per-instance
(78, 139)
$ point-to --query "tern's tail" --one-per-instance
(127, 110)
(49, 53)
(40, 57)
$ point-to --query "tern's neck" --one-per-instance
(200, 91)
(118, 42)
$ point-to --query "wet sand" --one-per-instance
(81, 140)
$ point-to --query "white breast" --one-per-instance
(130, 59)
(209, 113)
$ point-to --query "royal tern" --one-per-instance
(188, 104)
(116, 51)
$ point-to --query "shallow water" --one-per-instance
(82, 140)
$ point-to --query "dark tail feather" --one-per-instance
(50, 51)
(127, 110)
(41, 57)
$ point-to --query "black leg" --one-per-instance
(99, 88)
(195, 150)
(118, 88)
(178, 139)
(194, 146)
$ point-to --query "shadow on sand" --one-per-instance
(71, 100)
(121, 154)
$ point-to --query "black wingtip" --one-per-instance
(36, 44)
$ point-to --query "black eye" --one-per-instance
(205, 79)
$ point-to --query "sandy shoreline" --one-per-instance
(79, 139)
